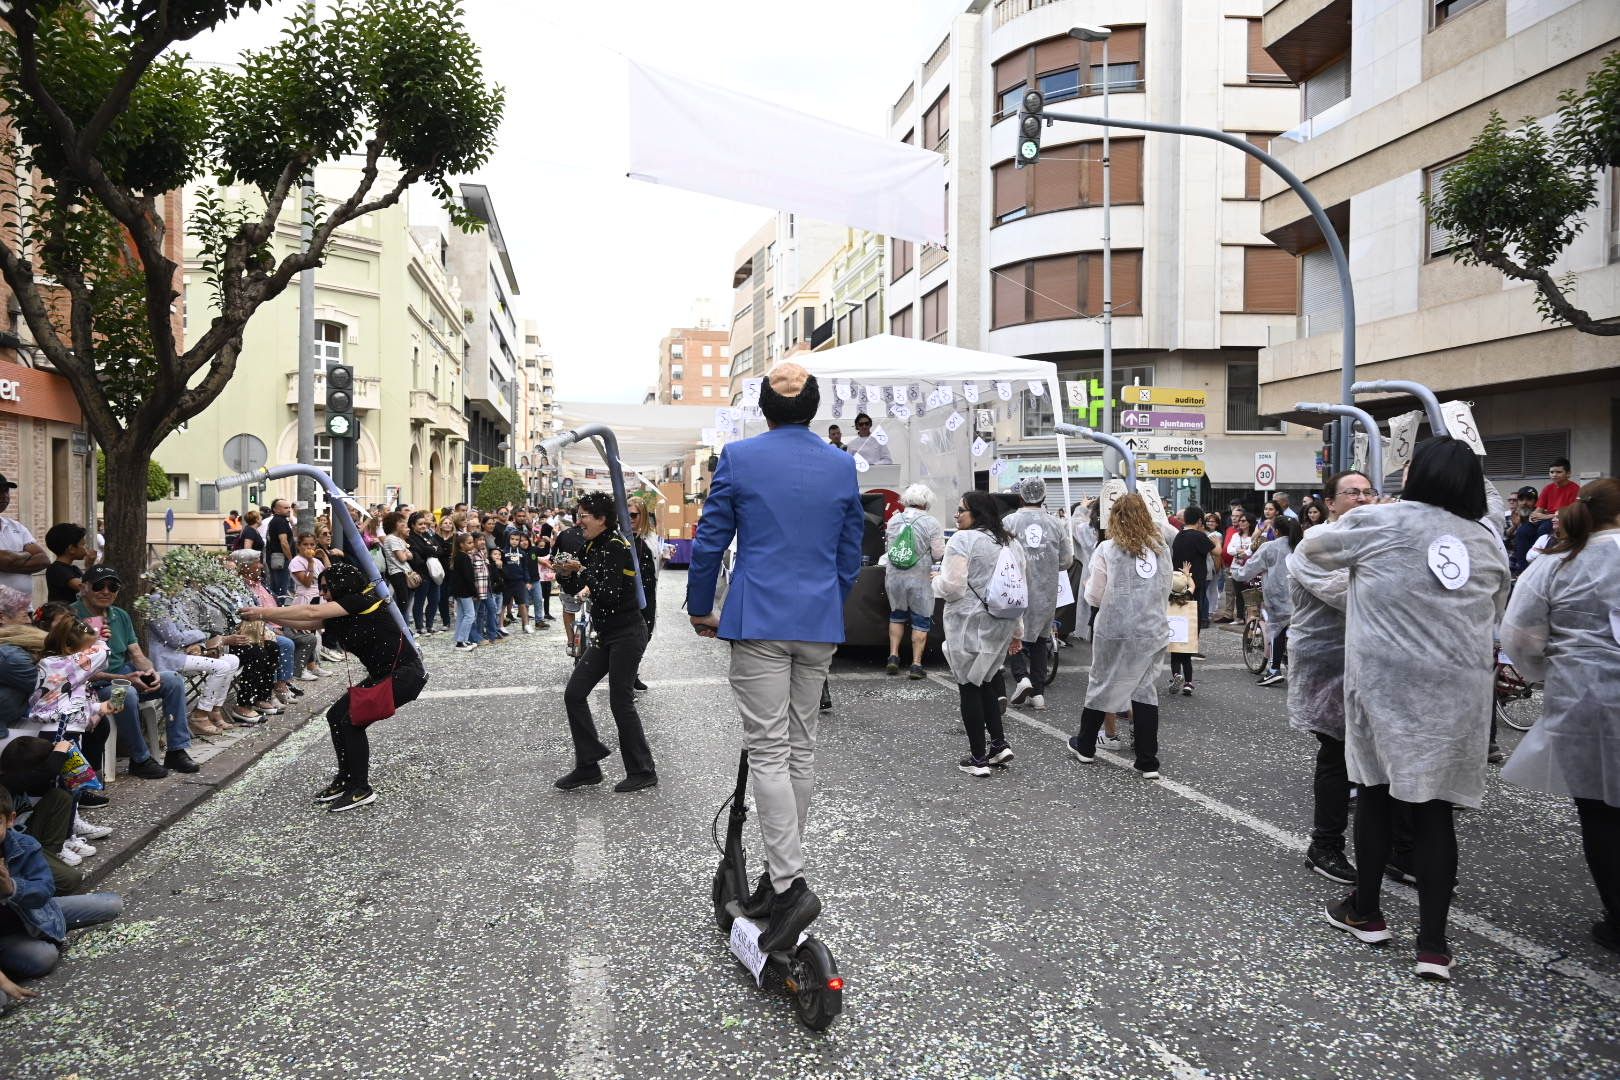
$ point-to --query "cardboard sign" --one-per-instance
(1460, 424)
(1402, 440)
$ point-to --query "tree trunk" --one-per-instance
(126, 522)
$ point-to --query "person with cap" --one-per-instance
(793, 504)
(1524, 529)
(21, 556)
(1048, 551)
(875, 451)
(353, 614)
(127, 660)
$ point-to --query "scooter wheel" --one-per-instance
(721, 893)
(818, 996)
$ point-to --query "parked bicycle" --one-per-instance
(1518, 702)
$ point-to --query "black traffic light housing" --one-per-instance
(1030, 121)
(1330, 447)
(340, 421)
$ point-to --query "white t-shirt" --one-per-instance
(14, 536)
(305, 594)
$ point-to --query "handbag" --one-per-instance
(412, 578)
(369, 704)
(77, 772)
(435, 570)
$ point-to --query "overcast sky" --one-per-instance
(605, 264)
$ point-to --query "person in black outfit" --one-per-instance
(62, 579)
(353, 616)
(606, 575)
(424, 545)
(1193, 545)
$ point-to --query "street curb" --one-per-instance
(179, 799)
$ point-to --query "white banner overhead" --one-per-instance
(705, 138)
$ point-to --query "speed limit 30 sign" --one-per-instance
(1265, 470)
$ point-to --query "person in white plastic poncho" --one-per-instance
(911, 600)
(1270, 566)
(1128, 582)
(1563, 627)
(1428, 580)
(976, 641)
(1048, 549)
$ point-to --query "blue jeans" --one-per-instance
(540, 599)
(467, 620)
(425, 600)
(173, 695)
(280, 582)
(284, 666)
(489, 617)
(25, 957)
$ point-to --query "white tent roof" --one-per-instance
(650, 436)
(886, 358)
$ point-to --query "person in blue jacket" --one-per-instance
(793, 504)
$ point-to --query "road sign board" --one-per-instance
(1141, 420)
(1162, 395)
(1265, 470)
(1163, 444)
(1170, 469)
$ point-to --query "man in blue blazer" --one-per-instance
(793, 504)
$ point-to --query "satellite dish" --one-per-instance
(245, 453)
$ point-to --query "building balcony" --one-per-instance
(1008, 10)
(367, 391)
(447, 420)
(932, 255)
(1302, 36)
(424, 406)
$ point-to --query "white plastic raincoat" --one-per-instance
(975, 640)
(908, 589)
(1128, 642)
(1316, 644)
(1048, 551)
(1277, 605)
(1418, 671)
(1085, 545)
(1562, 627)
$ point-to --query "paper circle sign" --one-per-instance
(1033, 537)
(1448, 561)
(861, 464)
(1147, 565)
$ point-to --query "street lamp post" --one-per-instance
(1090, 33)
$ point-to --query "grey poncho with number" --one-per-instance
(975, 640)
(1047, 552)
(1085, 545)
(1316, 645)
(907, 589)
(1563, 627)
(1128, 642)
(1418, 654)
(1270, 565)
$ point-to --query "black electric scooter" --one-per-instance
(808, 973)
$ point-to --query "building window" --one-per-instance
(900, 322)
(1270, 281)
(708, 391)
(708, 371)
(1524, 457)
(1038, 418)
(725, 371)
(770, 346)
(677, 350)
(1243, 398)
(1445, 9)
(1252, 167)
(207, 499)
(179, 486)
(1055, 66)
(1068, 178)
(677, 393)
(1326, 88)
(936, 313)
(874, 316)
(1063, 287)
(677, 371)
(843, 337)
(1439, 241)
(902, 254)
(323, 449)
(328, 344)
(725, 350)
(1262, 68)
(937, 122)
(708, 350)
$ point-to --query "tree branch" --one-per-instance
(199, 397)
(140, 58)
(1551, 292)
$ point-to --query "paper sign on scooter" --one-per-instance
(745, 947)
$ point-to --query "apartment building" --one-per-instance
(536, 408)
(1394, 93)
(694, 367)
(489, 288)
(1196, 286)
(770, 271)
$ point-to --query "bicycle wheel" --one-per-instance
(1254, 646)
(1521, 710)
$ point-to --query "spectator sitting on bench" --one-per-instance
(29, 768)
(20, 645)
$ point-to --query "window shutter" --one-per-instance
(1011, 71)
(900, 322)
(1056, 54)
(1440, 241)
(1009, 183)
(1262, 68)
(1056, 285)
(1327, 87)
(1008, 297)
(1270, 282)
(1124, 46)
(1319, 291)
(1127, 170)
(1252, 166)
(1542, 448)
(1057, 179)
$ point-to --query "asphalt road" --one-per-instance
(1054, 920)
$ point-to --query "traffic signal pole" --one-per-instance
(1375, 442)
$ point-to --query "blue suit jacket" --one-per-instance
(794, 505)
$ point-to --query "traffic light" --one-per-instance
(340, 422)
(1330, 445)
(1029, 129)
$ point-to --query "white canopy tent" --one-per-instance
(650, 436)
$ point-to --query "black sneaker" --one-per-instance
(93, 798)
(1396, 872)
(636, 781)
(1271, 678)
(826, 698)
(579, 777)
(917, 672)
(294, 691)
(1186, 689)
(1331, 864)
(180, 761)
(1081, 755)
(893, 666)
(148, 769)
(791, 912)
(350, 799)
(1001, 755)
(1369, 929)
(331, 791)
(974, 766)
(1494, 755)
(639, 685)
(758, 905)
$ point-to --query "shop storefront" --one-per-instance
(44, 449)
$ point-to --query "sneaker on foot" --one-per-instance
(1271, 678)
(636, 782)
(308, 676)
(893, 665)
(332, 791)
(1186, 689)
(93, 798)
(758, 905)
(578, 777)
(917, 672)
(466, 646)
(1331, 864)
(88, 830)
(640, 686)
(79, 847)
(350, 799)
(1081, 755)
(69, 856)
(1494, 755)
(1433, 965)
(1022, 691)
(974, 766)
(1037, 702)
(792, 911)
(1369, 929)
(1148, 774)
(1000, 754)
(1175, 684)
(826, 698)
(1116, 744)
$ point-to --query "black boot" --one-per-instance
(791, 912)
(758, 905)
(579, 777)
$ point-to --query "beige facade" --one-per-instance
(694, 367)
(1394, 92)
(771, 289)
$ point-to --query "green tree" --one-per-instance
(498, 487)
(108, 118)
(1519, 197)
(157, 479)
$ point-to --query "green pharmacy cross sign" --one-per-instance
(1096, 399)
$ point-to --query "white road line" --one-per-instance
(1540, 955)
(1179, 1068)
(590, 1008)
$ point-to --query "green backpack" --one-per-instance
(903, 553)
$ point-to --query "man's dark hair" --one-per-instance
(63, 535)
(834, 427)
(24, 754)
(1445, 472)
(1331, 488)
(1290, 528)
(862, 416)
(600, 504)
(1192, 513)
(1560, 463)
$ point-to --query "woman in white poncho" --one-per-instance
(1270, 566)
(1563, 626)
(1428, 579)
(977, 642)
(1128, 582)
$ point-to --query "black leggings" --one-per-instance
(1144, 728)
(1600, 837)
(981, 710)
(1434, 858)
(1279, 649)
(1181, 664)
(350, 744)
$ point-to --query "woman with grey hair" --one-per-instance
(913, 541)
(20, 648)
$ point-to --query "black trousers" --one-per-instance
(1600, 838)
(614, 653)
(257, 678)
(1434, 858)
(1181, 664)
(51, 824)
(1031, 661)
(1331, 815)
(981, 712)
(350, 743)
(1144, 726)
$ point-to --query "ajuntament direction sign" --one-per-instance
(1162, 395)
(1141, 420)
